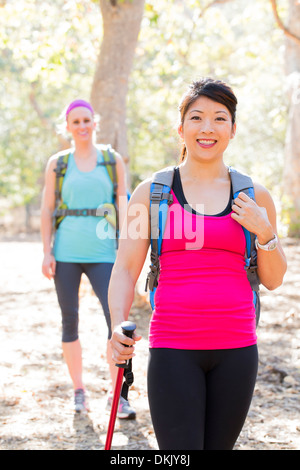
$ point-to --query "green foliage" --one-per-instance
(236, 42)
(48, 52)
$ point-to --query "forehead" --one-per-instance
(205, 104)
(79, 112)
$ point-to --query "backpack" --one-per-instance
(107, 210)
(161, 198)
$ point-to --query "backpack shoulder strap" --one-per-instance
(160, 199)
(164, 176)
(241, 182)
(110, 162)
(62, 161)
(60, 170)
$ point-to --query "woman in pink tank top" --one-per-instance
(202, 339)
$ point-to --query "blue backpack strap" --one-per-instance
(160, 198)
(241, 182)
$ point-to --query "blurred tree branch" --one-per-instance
(286, 31)
(45, 121)
(212, 4)
(195, 20)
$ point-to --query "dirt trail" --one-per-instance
(36, 410)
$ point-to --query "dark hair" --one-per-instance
(216, 90)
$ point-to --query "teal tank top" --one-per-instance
(86, 239)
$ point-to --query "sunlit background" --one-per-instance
(49, 53)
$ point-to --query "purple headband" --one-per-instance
(77, 104)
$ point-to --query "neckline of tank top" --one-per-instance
(99, 160)
(178, 191)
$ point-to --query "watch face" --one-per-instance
(273, 245)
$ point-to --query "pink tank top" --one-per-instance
(203, 299)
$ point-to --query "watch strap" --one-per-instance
(270, 246)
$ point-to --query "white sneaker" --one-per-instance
(125, 411)
(80, 401)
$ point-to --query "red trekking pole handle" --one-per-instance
(128, 329)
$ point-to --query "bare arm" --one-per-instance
(260, 218)
(132, 252)
(47, 208)
(122, 189)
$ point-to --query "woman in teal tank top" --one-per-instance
(83, 244)
(97, 189)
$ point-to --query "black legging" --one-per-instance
(67, 282)
(199, 400)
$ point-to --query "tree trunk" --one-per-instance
(121, 26)
(292, 145)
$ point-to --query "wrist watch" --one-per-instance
(270, 246)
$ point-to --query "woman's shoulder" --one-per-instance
(141, 194)
(262, 195)
(52, 162)
(259, 189)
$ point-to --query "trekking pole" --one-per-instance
(128, 328)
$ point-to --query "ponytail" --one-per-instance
(183, 153)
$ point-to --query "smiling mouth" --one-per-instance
(207, 143)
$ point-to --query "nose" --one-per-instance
(207, 126)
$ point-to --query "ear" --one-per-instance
(180, 131)
(233, 131)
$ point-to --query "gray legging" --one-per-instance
(67, 281)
